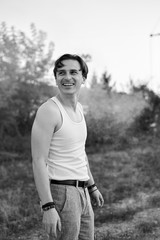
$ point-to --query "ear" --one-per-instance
(84, 79)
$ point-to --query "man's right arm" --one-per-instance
(42, 130)
(40, 141)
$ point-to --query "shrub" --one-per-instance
(148, 121)
(106, 130)
(16, 144)
(142, 122)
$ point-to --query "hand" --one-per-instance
(51, 222)
(96, 198)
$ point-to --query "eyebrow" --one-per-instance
(69, 69)
(60, 70)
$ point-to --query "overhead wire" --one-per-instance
(150, 45)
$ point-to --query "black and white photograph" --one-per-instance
(80, 120)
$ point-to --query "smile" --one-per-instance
(68, 84)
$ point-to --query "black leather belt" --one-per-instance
(74, 183)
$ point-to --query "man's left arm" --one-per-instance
(95, 195)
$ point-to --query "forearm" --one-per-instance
(42, 181)
(95, 194)
(51, 219)
(91, 179)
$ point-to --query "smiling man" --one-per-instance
(61, 170)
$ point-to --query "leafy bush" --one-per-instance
(142, 123)
(106, 131)
(24, 63)
(98, 129)
(148, 121)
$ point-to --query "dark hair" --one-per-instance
(59, 64)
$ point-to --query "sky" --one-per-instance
(116, 33)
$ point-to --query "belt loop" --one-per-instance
(76, 183)
(85, 193)
(85, 184)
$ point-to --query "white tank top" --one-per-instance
(66, 159)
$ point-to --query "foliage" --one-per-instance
(106, 131)
(86, 57)
(24, 62)
(128, 180)
(148, 121)
(94, 81)
(106, 80)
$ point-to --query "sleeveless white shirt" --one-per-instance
(66, 158)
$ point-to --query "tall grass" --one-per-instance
(126, 170)
(19, 208)
(128, 179)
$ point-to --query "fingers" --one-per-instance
(100, 204)
(97, 199)
(51, 229)
(51, 222)
(96, 202)
(54, 231)
(101, 201)
(47, 228)
(59, 225)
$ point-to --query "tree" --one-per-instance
(106, 79)
(149, 119)
(93, 81)
(86, 57)
(24, 62)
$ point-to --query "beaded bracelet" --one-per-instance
(48, 206)
(93, 190)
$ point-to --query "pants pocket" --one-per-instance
(59, 194)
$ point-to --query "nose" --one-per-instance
(68, 75)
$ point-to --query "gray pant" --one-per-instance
(76, 213)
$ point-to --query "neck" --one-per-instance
(68, 101)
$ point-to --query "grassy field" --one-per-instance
(126, 170)
(129, 180)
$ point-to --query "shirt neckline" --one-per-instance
(68, 114)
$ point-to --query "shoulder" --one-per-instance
(48, 107)
(48, 113)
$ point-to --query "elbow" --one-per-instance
(38, 161)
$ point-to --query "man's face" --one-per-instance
(69, 77)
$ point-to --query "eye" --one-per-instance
(61, 73)
(74, 72)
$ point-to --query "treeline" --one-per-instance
(148, 122)
(24, 63)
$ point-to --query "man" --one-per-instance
(62, 175)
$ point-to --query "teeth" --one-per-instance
(68, 84)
